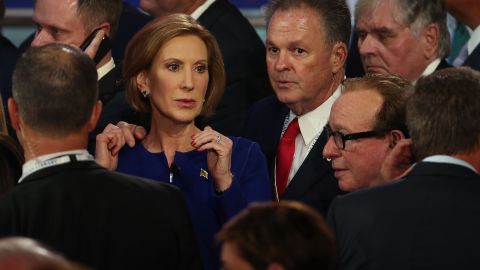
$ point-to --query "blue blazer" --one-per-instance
(314, 182)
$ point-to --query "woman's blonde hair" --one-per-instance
(145, 45)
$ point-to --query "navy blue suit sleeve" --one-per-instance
(250, 181)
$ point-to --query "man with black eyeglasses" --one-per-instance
(365, 123)
(429, 218)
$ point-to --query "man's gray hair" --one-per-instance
(416, 14)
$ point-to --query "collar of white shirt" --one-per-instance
(199, 11)
(313, 122)
(474, 39)
(103, 70)
(30, 166)
(450, 160)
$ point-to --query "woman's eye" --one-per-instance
(201, 69)
(173, 67)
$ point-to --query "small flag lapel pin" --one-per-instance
(203, 173)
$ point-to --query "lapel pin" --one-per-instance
(203, 174)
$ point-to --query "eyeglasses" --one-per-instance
(340, 138)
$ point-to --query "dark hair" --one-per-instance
(443, 113)
(288, 233)
(11, 160)
(145, 45)
(55, 87)
(334, 16)
(394, 91)
(416, 14)
(94, 12)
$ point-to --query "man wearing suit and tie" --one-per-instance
(467, 12)
(408, 38)
(428, 219)
(306, 52)
(102, 219)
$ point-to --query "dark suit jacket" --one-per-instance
(115, 105)
(131, 20)
(443, 64)
(428, 220)
(244, 55)
(314, 183)
(103, 219)
(473, 60)
(8, 55)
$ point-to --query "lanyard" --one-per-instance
(286, 122)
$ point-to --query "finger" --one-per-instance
(139, 132)
(92, 49)
(205, 138)
(127, 131)
(116, 141)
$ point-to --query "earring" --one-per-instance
(145, 93)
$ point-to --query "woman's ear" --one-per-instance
(395, 136)
(339, 56)
(143, 84)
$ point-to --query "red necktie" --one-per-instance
(285, 153)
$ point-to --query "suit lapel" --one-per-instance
(473, 60)
(277, 127)
(311, 170)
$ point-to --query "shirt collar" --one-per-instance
(30, 166)
(474, 39)
(313, 122)
(103, 70)
(450, 160)
(199, 11)
(431, 68)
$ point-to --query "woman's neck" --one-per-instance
(168, 137)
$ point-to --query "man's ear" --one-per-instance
(14, 115)
(96, 111)
(339, 56)
(431, 39)
(395, 136)
(107, 28)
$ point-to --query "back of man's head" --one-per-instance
(55, 88)
(443, 114)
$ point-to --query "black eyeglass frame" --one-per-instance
(340, 138)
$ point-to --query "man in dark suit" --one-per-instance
(306, 52)
(71, 22)
(408, 38)
(103, 219)
(429, 218)
(243, 54)
(467, 12)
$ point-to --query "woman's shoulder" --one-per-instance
(243, 145)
